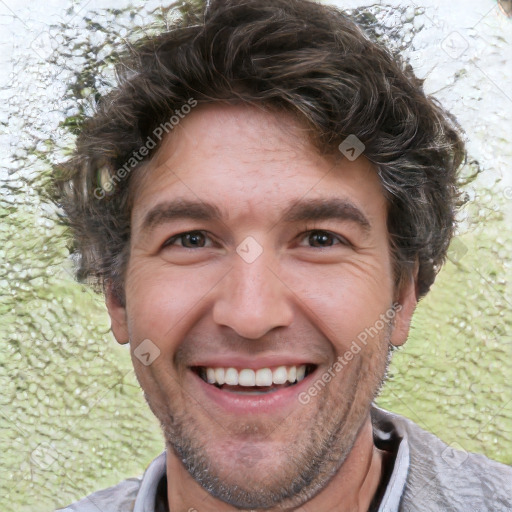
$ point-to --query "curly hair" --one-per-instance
(305, 58)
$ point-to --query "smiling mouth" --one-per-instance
(253, 382)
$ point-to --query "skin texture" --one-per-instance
(305, 296)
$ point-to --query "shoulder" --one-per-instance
(119, 498)
(442, 478)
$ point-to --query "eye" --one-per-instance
(319, 238)
(189, 240)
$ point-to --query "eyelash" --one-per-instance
(170, 241)
(342, 240)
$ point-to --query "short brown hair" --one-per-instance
(309, 59)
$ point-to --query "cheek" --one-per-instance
(164, 300)
(342, 301)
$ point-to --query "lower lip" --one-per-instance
(271, 402)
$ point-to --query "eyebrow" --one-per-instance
(302, 210)
(326, 209)
(179, 209)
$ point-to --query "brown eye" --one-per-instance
(193, 240)
(321, 239)
(189, 240)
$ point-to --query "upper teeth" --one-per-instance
(261, 377)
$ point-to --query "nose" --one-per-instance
(253, 300)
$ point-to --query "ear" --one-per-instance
(406, 304)
(117, 313)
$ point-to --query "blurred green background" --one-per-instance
(72, 417)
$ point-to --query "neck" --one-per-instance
(351, 489)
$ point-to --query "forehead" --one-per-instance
(249, 161)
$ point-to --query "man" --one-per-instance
(263, 200)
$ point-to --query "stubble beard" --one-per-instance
(307, 464)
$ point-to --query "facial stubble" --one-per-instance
(318, 440)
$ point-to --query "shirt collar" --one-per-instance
(385, 427)
(146, 496)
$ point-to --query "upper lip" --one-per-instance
(254, 363)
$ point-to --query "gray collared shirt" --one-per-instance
(425, 475)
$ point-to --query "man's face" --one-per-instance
(251, 251)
